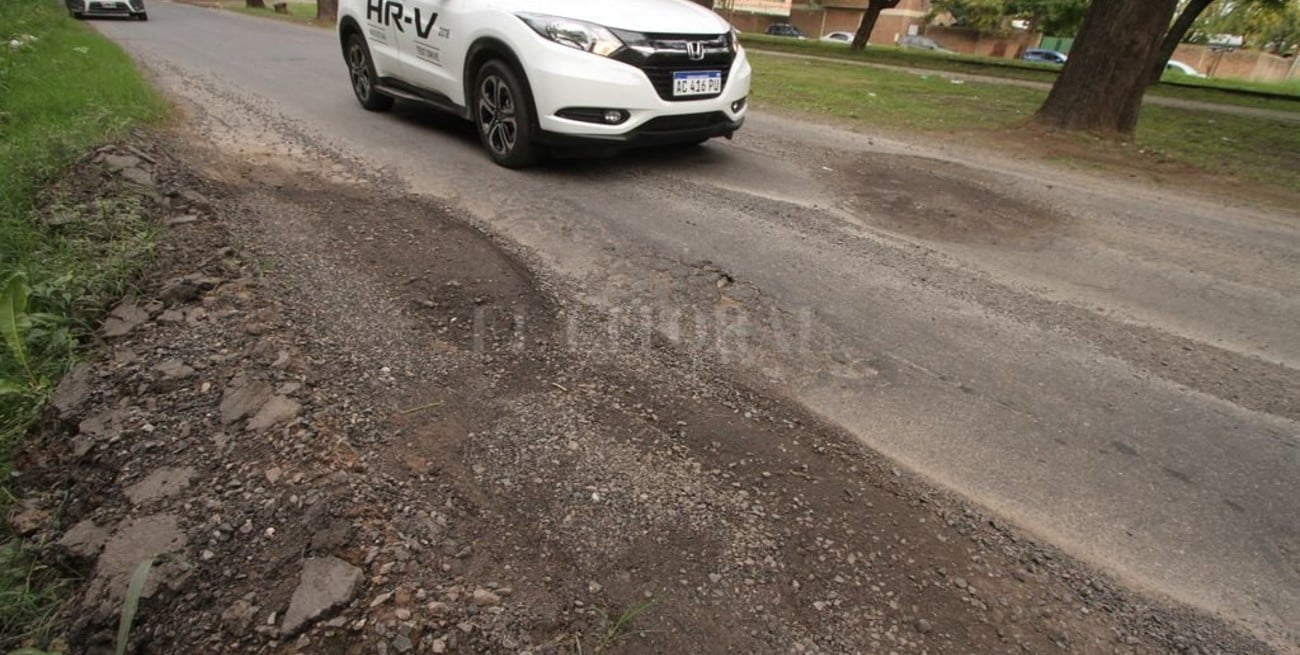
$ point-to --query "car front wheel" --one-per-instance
(503, 114)
(361, 70)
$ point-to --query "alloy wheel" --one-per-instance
(497, 115)
(359, 69)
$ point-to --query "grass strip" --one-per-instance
(63, 90)
(1259, 149)
(1220, 91)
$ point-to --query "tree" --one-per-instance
(869, 18)
(1192, 11)
(327, 10)
(1101, 86)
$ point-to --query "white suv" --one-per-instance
(534, 74)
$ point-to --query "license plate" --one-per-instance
(697, 83)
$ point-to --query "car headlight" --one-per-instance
(581, 35)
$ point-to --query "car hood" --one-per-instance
(656, 16)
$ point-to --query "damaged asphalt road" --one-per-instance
(487, 469)
(1108, 367)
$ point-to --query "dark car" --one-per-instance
(1045, 56)
(784, 29)
(107, 8)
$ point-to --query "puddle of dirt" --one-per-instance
(943, 201)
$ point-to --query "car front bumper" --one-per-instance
(98, 8)
(663, 130)
(562, 78)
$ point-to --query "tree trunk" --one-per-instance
(869, 18)
(1176, 35)
(327, 10)
(1101, 87)
(255, 4)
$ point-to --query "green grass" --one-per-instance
(1258, 149)
(62, 93)
(29, 596)
(1228, 92)
(1291, 87)
(613, 629)
(888, 99)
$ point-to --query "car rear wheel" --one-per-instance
(503, 114)
(361, 70)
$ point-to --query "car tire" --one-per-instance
(361, 71)
(503, 114)
(142, 16)
(77, 15)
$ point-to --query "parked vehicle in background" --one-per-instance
(1175, 66)
(784, 29)
(1045, 56)
(107, 8)
(844, 38)
(921, 43)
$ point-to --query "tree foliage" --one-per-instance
(1272, 24)
(1054, 17)
(1269, 24)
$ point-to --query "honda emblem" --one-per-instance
(695, 50)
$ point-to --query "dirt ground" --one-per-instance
(471, 464)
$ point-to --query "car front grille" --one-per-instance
(661, 55)
(661, 76)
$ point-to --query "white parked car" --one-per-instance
(533, 74)
(1175, 66)
(845, 38)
